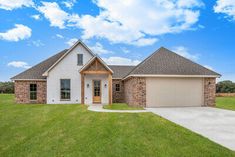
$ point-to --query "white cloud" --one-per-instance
(120, 61)
(69, 3)
(183, 51)
(226, 7)
(189, 3)
(14, 4)
(144, 41)
(125, 50)
(72, 41)
(36, 17)
(20, 32)
(36, 43)
(132, 22)
(59, 36)
(99, 49)
(19, 64)
(53, 12)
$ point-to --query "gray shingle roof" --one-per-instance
(161, 62)
(36, 71)
(119, 71)
(166, 62)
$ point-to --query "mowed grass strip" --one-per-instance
(226, 103)
(71, 130)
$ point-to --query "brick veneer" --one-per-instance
(22, 91)
(209, 91)
(135, 91)
(118, 97)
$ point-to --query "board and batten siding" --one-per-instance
(67, 68)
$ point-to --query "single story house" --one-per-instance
(78, 76)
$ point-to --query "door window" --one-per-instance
(96, 87)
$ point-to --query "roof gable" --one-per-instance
(166, 62)
(69, 51)
(96, 64)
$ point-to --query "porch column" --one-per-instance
(82, 88)
(110, 89)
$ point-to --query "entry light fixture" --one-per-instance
(88, 85)
(105, 85)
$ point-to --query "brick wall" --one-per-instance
(135, 91)
(22, 92)
(118, 96)
(209, 91)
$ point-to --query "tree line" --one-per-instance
(6, 87)
(225, 87)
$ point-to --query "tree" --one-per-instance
(225, 87)
(6, 87)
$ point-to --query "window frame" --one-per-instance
(33, 92)
(68, 90)
(119, 87)
(78, 63)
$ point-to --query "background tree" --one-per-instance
(6, 87)
(225, 87)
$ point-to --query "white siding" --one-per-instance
(89, 90)
(67, 68)
(174, 92)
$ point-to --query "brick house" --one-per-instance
(78, 76)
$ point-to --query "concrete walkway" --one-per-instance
(99, 108)
(216, 124)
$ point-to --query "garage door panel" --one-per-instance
(167, 92)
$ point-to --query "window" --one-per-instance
(117, 87)
(80, 59)
(33, 91)
(65, 89)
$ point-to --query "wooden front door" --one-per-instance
(96, 91)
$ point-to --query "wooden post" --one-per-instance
(82, 88)
(110, 89)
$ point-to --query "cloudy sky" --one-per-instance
(121, 32)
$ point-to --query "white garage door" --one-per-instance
(174, 92)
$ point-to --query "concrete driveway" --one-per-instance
(216, 124)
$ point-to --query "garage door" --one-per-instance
(174, 92)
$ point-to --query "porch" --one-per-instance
(96, 82)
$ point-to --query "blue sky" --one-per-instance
(121, 32)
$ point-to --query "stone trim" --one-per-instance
(135, 91)
(22, 92)
(209, 91)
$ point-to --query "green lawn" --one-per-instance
(71, 130)
(121, 106)
(226, 103)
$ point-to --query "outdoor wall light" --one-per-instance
(88, 85)
(105, 85)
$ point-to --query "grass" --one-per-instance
(121, 106)
(226, 103)
(70, 130)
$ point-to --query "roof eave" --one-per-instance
(157, 75)
(28, 79)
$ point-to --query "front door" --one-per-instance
(96, 91)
